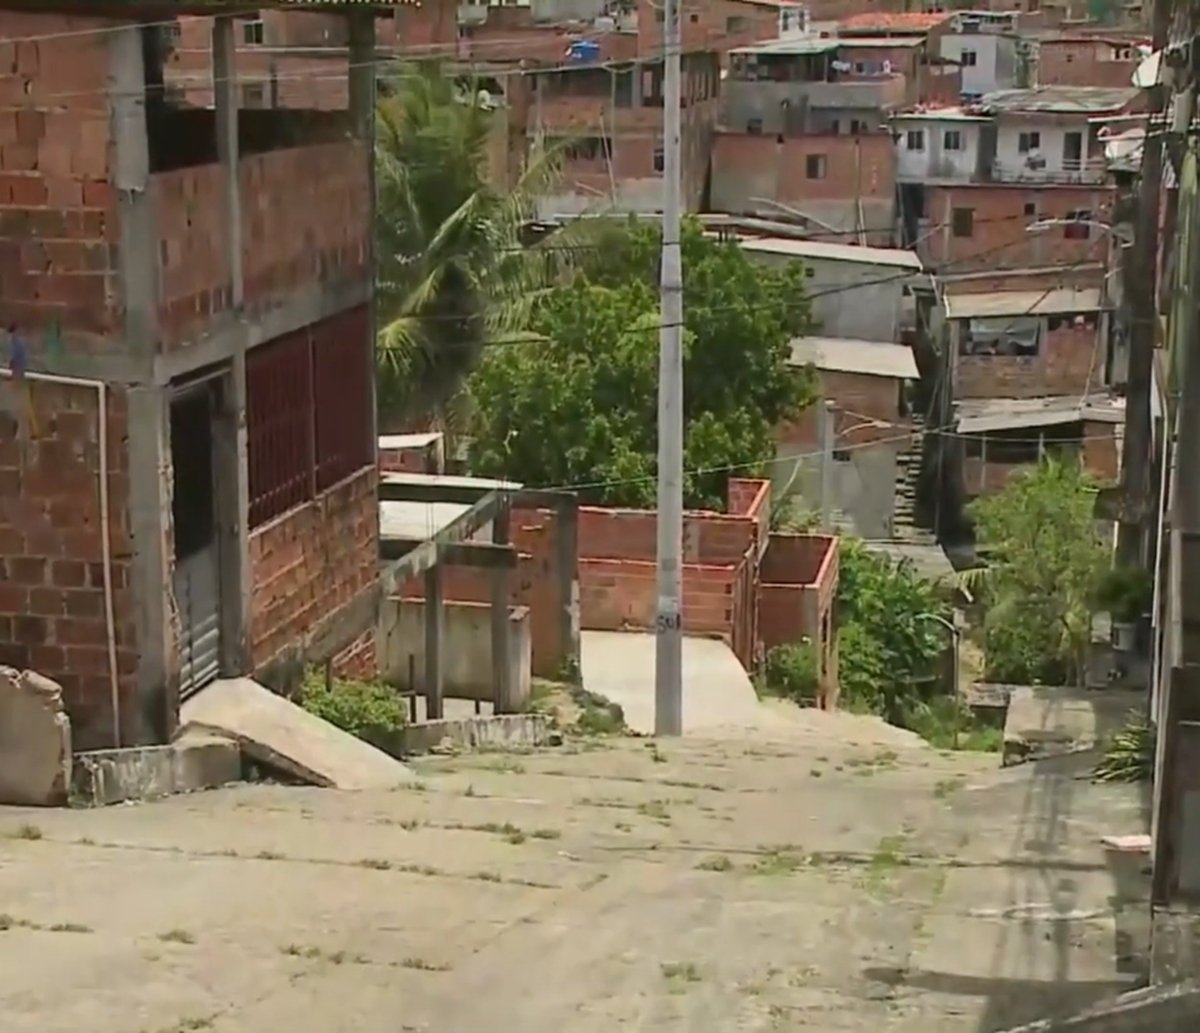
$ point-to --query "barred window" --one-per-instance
(308, 405)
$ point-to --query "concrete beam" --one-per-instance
(239, 332)
(454, 491)
(425, 556)
(459, 554)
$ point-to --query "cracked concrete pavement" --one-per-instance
(820, 878)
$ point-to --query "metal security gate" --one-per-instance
(197, 580)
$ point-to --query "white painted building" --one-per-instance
(988, 60)
(1050, 134)
(941, 144)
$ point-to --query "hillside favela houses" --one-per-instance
(187, 454)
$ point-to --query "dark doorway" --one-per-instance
(197, 579)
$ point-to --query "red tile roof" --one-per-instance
(884, 22)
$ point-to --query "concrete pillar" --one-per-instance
(138, 254)
(231, 467)
(567, 519)
(433, 642)
(500, 579)
(157, 678)
(362, 117)
(224, 70)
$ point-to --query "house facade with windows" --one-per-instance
(1019, 181)
(986, 47)
(187, 442)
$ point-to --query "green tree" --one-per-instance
(451, 275)
(578, 406)
(886, 648)
(1045, 559)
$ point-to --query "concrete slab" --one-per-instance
(1050, 721)
(717, 692)
(275, 732)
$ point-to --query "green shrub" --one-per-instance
(946, 726)
(370, 710)
(791, 671)
(1125, 593)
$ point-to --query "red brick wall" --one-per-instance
(1084, 62)
(430, 27)
(58, 225)
(797, 592)
(1000, 239)
(1069, 362)
(856, 167)
(857, 397)
(194, 283)
(710, 29)
(305, 217)
(52, 612)
(311, 562)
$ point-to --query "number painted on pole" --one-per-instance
(669, 622)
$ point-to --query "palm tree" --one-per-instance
(452, 276)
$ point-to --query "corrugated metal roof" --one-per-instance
(847, 355)
(803, 45)
(985, 415)
(1058, 100)
(1023, 303)
(821, 250)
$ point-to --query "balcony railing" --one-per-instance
(1035, 170)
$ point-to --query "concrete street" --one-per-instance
(805, 878)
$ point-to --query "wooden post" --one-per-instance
(433, 643)
(502, 701)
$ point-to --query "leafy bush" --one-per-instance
(1125, 593)
(949, 724)
(792, 672)
(1129, 756)
(370, 710)
(888, 644)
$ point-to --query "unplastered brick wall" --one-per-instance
(1101, 450)
(617, 549)
(52, 598)
(1087, 62)
(305, 218)
(1001, 213)
(1070, 361)
(312, 562)
(193, 266)
(859, 399)
(58, 225)
(797, 595)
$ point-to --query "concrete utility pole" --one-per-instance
(1140, 268)
(668, 672)
(828, 433)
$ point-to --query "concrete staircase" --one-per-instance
(908, 473)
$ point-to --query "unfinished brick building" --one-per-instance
(187, 457)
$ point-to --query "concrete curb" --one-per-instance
(100, 778)
(468, 733)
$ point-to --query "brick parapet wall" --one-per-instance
(359, 659)
(52, 602)
(312, 562)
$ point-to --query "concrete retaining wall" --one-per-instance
(1161, 1009)
(467, 651)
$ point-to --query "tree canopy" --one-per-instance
(576, 402)
(1045, 560)
(452, 276)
